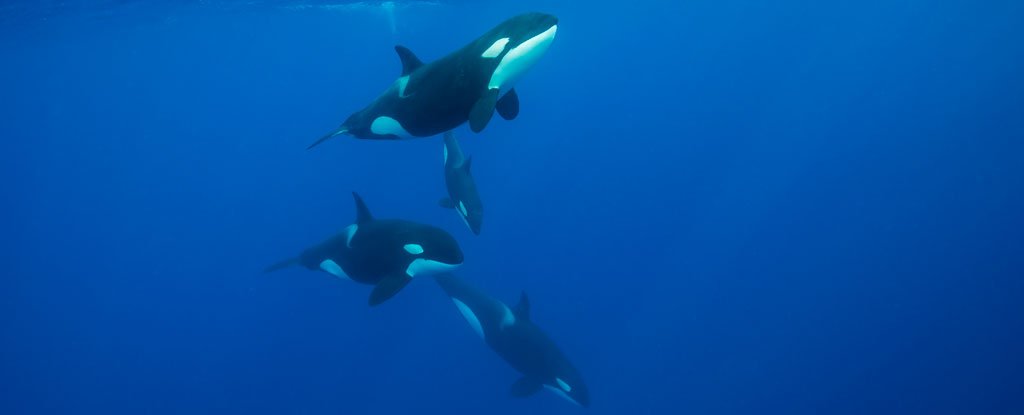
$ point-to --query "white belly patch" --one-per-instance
(470, 317)
(332, 268)
(521, 58)
(388, 126)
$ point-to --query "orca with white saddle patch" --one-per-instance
(469, 84)
(511, 333)
(462, 194)
(387, 253)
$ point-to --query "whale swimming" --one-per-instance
(512, 335)
(387, 253)
(469, 84)
(462, 194)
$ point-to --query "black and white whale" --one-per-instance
(462, 194)
(387, 253)
(511, 333)
(468, 84)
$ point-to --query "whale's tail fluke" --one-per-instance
(330, 135)
(281, 265)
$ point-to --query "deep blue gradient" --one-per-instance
(726, 207)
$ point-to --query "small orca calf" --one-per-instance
(462, 194)
(515, 338)
(467, 84)
(387, 253)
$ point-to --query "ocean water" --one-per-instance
(727, 207)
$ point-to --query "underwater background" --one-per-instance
(729, 207)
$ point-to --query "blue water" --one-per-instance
(728, 207)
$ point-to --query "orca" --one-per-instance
(387, 253)
(511, 333)
(462, 194)
(469, 84)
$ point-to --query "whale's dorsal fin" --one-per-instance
(522, 308)
(409, 60)
(362, 212)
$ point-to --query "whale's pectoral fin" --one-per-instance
(446, 203)
(409, 60)
(508, 105)
(388, 287)
(483, 110)
(525, 386)
(281, 265)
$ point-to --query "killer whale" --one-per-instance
(462, 194)
(387, 253)
(511, 333)
(469, 84)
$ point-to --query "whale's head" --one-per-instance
(526, 26)
(518, 44)
(569, 385)
(430, 250)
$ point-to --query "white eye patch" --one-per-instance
(414, 249)
(496, 48)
